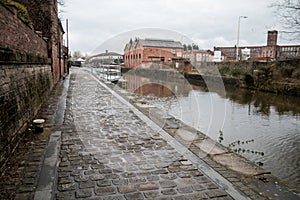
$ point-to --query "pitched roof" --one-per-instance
(161, 43)
(105, 54)
(108, 54)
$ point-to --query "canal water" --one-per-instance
(263, 127)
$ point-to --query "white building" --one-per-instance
(107, 58)
(245, 54)
(199, 56)
(218, 56)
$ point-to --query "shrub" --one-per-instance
(296, 73)
(224, 70)
(287, 71)
(237, 71)
(249, 80)
(264, 75)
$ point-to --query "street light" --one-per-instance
(238, 37)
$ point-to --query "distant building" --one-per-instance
(203, 56)
(271, 51)
(107, 58)
(245, 54)
(145, 52)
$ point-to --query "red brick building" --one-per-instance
(145, 52)
(272, 51)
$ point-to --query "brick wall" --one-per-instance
(18, 41)
(165, 53)
(56, 43)
(29, 67)
(134, 57)
(16, 35)
(23, 87)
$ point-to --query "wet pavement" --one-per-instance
(20, 178)
(102, 147)
(109, 153)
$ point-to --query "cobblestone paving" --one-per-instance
(107, 152)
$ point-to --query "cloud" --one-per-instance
(208, 23)
(117, 43)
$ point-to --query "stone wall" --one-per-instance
(215, 83)
(23, 87)
(204, 81)
(28, 63)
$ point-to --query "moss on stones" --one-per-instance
(21, 11)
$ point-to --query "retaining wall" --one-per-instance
(26, 77)
(23, 87)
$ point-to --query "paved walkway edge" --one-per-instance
(47, 177)
(209, 171)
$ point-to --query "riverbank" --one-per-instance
(259, 80)
(283, 88)
(273, 116)
(233, 167)
(279, 77)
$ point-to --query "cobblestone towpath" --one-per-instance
(109, 152)
(98, 146)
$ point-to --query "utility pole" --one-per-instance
(67, 26)
(238, 37)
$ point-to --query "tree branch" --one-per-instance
(288, 13)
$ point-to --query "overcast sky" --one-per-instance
(207, 23)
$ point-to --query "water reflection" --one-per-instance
(271, 122)
(154, 89)
(263, 102)
(173, 85)
(262, 127)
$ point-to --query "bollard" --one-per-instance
(38, 125)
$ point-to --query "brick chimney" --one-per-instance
(272, 38)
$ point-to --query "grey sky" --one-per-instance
(206, 23)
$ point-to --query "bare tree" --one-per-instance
(77, 54)
(288, 12)
(61, 5)
(61, 2)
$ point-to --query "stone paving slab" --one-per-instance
(108, 152)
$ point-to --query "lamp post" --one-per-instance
(238, 37)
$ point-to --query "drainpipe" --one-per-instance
(59, 48)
